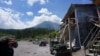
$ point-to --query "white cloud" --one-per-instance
(44, 11)
(8, 2)
(39, 19)
(29, 13)
(32, 2)
(45, 16)
(10, 19)
(43, 1)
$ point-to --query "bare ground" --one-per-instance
(26, 48)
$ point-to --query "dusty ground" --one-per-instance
(26, 48)
(80, 52)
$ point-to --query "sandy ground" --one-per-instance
(26, 48)
(80, 52)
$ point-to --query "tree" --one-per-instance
(53, 34)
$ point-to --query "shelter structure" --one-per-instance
(81, 27)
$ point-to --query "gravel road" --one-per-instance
(26, 48)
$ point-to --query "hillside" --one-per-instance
(48, 25)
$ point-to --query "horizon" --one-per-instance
(21, 14)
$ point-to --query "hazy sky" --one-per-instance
(19, 14)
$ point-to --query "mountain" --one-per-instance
(43, 29)
(48, 25)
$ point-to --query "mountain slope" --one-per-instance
(48, 25)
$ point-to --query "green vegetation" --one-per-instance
(53, 34)
(31, 33)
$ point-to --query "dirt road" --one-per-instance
(26, 48)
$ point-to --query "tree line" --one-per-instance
(36, 33)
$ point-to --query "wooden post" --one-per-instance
(70, 42)
(61, 36)
(64, 32)
(98, 12)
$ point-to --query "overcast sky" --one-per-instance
(19, 14)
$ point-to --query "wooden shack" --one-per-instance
(79, 25)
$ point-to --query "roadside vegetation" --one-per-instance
(31, 33)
